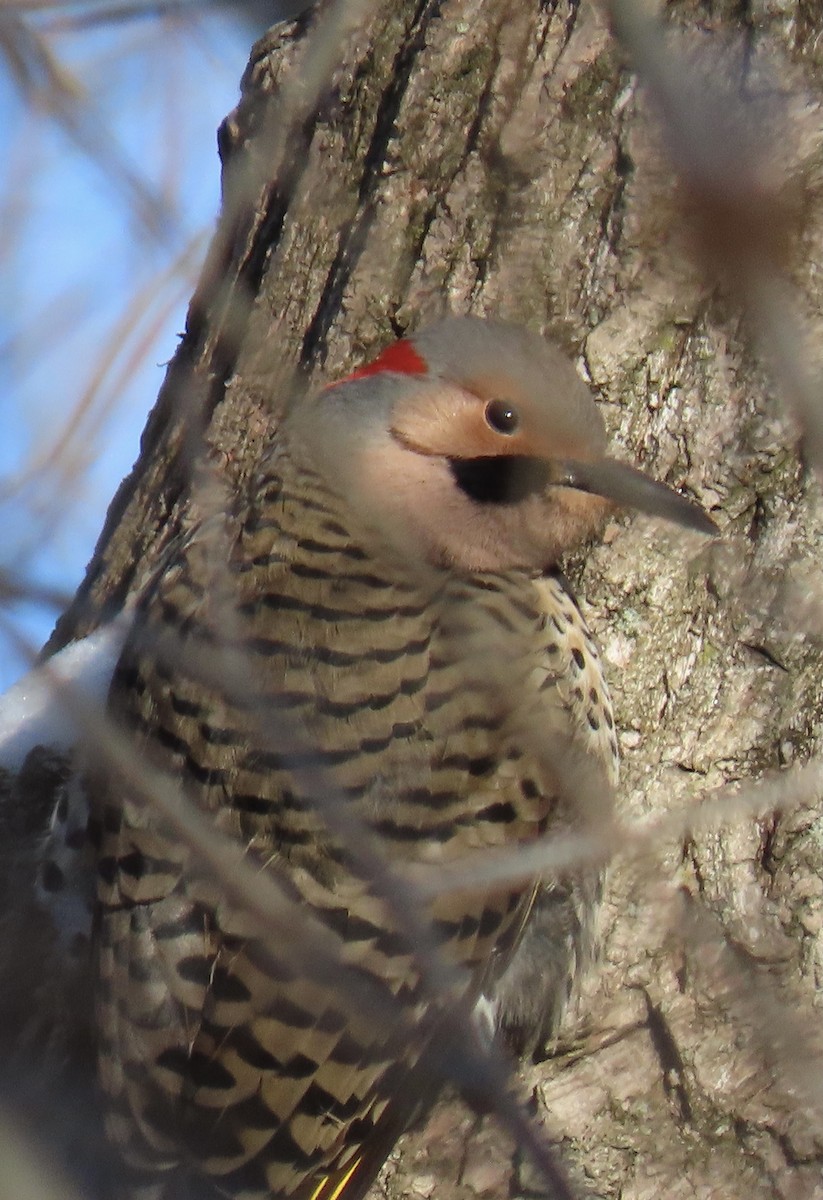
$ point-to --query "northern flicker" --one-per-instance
(374, 649)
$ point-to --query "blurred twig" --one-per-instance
(66, 454)
(732, 151)
(44, 81)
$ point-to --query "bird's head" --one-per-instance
(476, 444)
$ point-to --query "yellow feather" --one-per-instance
(319, 1192)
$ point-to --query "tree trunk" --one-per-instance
(497, 158)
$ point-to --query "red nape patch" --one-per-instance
(399, 356)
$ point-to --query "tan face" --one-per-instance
(468, 477)
(494, 418)
(476, 445)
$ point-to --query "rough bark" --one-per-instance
(476, 155)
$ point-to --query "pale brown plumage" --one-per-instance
(378, 630)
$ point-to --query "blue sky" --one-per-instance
(104, 219)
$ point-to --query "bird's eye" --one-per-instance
(502, 417)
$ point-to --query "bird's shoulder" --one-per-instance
(524, 641)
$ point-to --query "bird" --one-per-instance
(368, 665)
